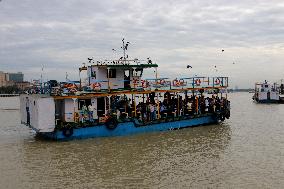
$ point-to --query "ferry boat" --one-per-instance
(266, 93)
(115, 100)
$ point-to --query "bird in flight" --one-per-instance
(188, 66)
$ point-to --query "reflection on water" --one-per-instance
(244, 151)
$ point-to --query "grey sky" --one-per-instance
(61, 35)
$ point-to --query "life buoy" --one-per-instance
(197, 82)
(67, 131)
(96, 85)
(135, 82)
(217, 81)
(111, 123)
(176, 83)
(182, 82)
(145, 83)
(72, 90)
(161, 81)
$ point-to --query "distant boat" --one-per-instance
(266, 93)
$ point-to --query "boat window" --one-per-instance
(93, 74)
(112, 73)
(266, 86)
(83, 102)
(137, 72)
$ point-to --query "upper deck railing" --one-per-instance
(184, 83)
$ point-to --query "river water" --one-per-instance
(246, 151)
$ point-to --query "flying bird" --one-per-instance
(90, 59)
(188, 66)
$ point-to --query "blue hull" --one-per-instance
(129, 128)
(268, 101)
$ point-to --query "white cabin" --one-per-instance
(265, 92)
(115, 76)
(38, 111)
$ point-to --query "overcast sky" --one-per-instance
(62, 34)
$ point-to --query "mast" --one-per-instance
(124, 48)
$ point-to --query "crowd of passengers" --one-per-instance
(172, 106)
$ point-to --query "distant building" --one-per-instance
(23, 85)
(2, 78)
(16, 77)
(10, 79)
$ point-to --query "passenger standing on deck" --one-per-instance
(28, 110)
(90, 111)
(206, 104)
(148, 112)
(84, 112)
(152, 110)
(162, 109)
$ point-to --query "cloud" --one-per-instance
(62, 34)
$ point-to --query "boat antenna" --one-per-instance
(66, 76)
(41, 73)
(125, 48)
(41, 82)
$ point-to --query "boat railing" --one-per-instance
(185, 83)
(106, 86)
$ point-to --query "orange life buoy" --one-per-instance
(161, 81)
(135, 81)
(217, 81)
(182, 82)
(96, 85)
(197, 82)
(145, 83)
(176, 83)
(72, 90)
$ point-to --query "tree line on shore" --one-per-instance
(10, 90)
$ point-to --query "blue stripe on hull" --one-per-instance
(267, 101)
(129, 128)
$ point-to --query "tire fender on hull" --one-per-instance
(111, 123)
(67, 132)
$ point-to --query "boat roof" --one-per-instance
(127, 66)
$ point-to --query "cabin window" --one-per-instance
(137, 72)
(266, 86)
(93, 74)
(85, 102)
(112, 73)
